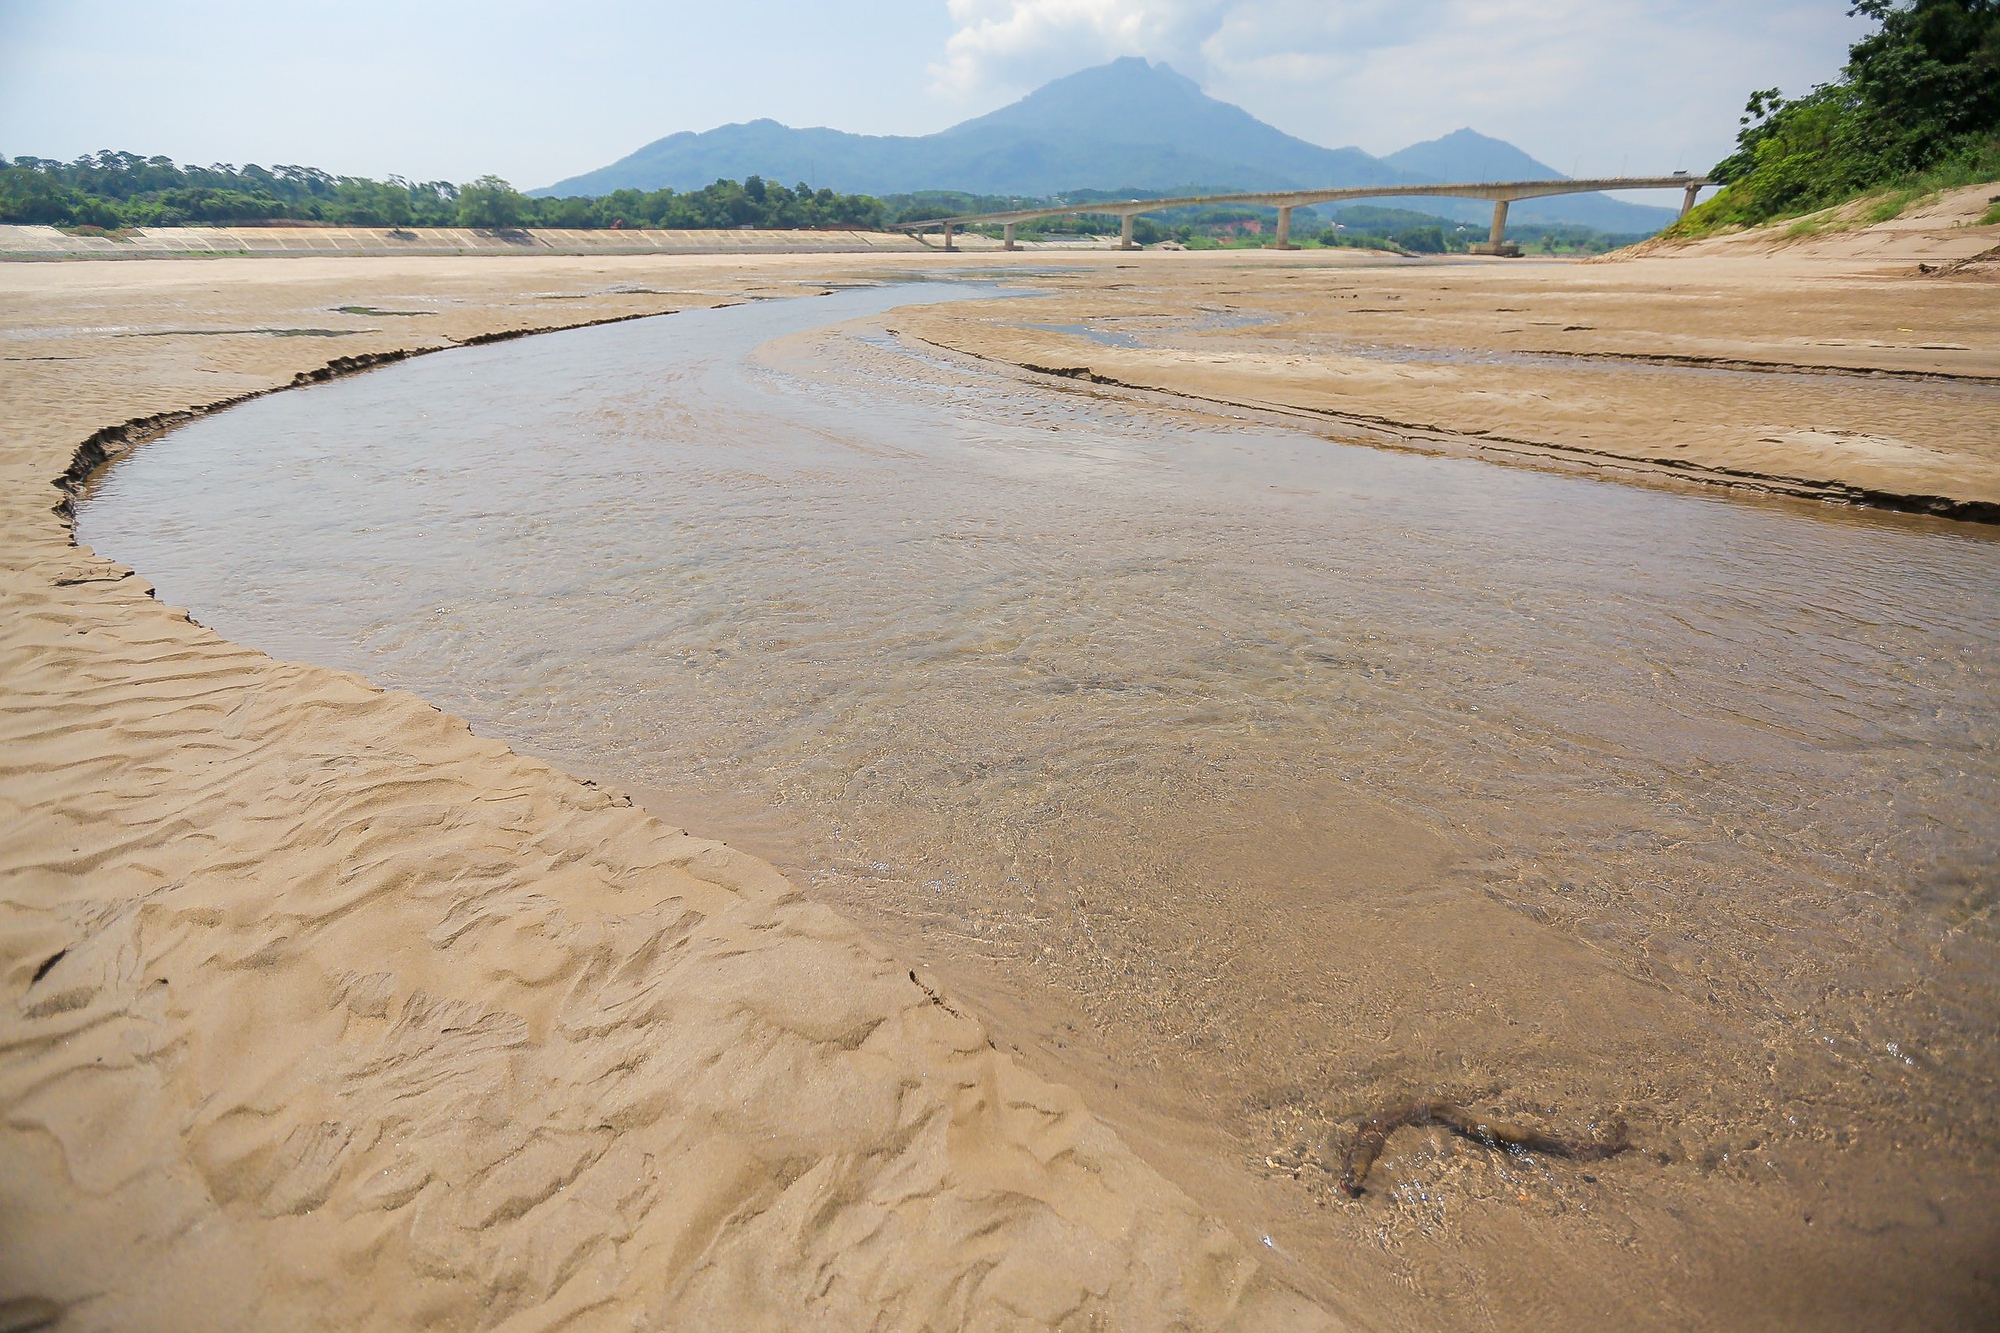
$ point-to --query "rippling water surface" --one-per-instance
(1296, 776)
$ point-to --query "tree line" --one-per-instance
(1917, 107)
(115, 190)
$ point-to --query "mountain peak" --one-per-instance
(1133, 66)
(1467, 155)
(1129, 124)
(1130, 99)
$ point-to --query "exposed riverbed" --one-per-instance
(1277, 777)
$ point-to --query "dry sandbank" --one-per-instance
(406, 972)
(324, 1012)
(30, 242)
(1860, 366)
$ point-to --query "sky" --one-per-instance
(448, 89)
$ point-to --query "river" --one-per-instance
(1247, 779)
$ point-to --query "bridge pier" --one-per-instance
(1285, 229)
(947, 238)
(1125, 232)
(1497, 243)
(1687, 203)
(1007, 237)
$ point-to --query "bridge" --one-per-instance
(1500, 193)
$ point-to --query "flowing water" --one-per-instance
(1249, 780)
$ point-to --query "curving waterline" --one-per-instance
(1355, 663)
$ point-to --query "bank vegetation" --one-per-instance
(1916, 110)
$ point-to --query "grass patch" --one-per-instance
(1885, 201)
(1991, 217)
(1885, 207)
(106, 233)
(1891, 206)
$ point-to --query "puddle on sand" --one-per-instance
(1247, 780)
(1153, 330)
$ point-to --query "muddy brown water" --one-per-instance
(1249, 780)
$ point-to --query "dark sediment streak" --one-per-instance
(1373, 1135)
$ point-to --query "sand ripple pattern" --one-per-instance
(321, 1012)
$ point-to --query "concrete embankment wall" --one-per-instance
(22, 242)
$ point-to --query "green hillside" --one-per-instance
(1916, 109)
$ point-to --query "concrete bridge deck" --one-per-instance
(1501, 193)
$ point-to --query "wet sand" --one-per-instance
(173, 784)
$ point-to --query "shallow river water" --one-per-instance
(1248, 779)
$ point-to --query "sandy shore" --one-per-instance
(326, 1012)
(1748, 361)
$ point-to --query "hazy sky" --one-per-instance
(451, 89)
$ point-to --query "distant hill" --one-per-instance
(1467, 155)
(1130, 124)
(1125, 125)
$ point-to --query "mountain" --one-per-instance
(1467, 155)
(1125, 125)
(1104, 116)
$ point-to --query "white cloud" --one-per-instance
(1021, 43)
(1587, 85)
